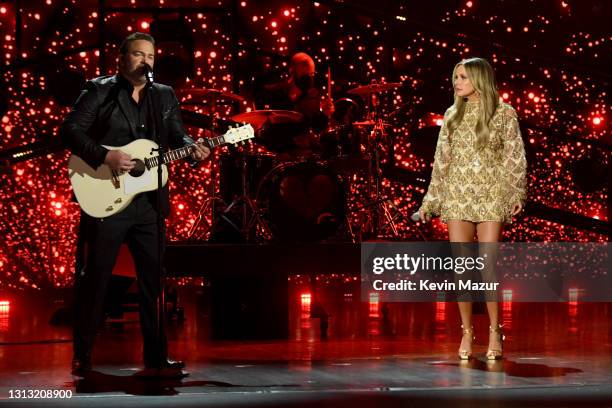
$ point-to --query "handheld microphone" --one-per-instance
(148, 73)
(416, 217)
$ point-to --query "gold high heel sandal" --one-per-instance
(494, 354)
(466, 354)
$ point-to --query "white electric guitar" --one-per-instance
(103, 192)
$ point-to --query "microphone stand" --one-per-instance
(161, 225)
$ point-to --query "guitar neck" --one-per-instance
(181, 153)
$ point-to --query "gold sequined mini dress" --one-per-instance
(473, 184)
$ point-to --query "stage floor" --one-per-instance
(385, 355)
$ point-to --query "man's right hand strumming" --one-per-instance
(119, 161)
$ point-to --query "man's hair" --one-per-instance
(125, 44)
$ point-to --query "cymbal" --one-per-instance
(200, 93)
(366, 123)
(258, 118)
(373, 88)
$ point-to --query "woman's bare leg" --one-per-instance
(463, 231)
(491, 232)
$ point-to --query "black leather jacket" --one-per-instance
(101, 116)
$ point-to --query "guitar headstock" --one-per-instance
(239, 134)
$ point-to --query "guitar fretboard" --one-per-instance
(182, 152)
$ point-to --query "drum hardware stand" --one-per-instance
(350, 229)
(381, 205)
(347, 221)
(378, 204)
(248, 205)
(399, 215)
(209, 204)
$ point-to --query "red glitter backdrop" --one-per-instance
(552, 60)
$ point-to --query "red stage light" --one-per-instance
(507, 295)
(440, 311)
(574, 294)
(305, 303)
(4, 315)
(597, 120)
(144, 25)
(374, 305)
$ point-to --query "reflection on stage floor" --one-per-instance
(339, 349)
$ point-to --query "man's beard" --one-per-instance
(138, 75)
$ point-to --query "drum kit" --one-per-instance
(281, 191)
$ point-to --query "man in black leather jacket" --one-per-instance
(115, 110)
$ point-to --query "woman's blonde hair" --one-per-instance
(482, 77)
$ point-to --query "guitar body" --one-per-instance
(101, 194)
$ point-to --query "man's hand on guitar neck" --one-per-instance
(201, 152)
(119, 161)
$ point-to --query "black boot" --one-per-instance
(81, 365)
(166, 368)
(166, 363)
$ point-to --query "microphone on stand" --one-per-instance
(148, 73)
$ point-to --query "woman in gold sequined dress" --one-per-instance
(479, 176)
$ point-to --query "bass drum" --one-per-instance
(302, 202)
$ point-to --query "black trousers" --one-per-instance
(98, 247)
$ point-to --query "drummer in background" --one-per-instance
(297, 93)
